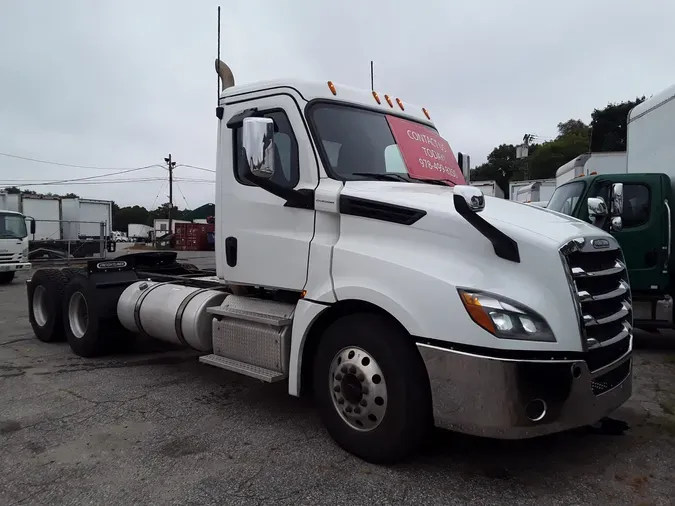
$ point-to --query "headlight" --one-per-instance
(505, 318)
(24, 253)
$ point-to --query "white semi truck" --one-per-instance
(353, 263)
(13, 245)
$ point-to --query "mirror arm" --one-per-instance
(303, 199)
(504, 246)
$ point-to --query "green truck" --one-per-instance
(636, 206)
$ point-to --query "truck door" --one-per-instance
(262, 241)
(644, 221)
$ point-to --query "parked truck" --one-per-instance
(644, 226)
(531, 191)
(591, 164)
(13, 244)
(489, 188)
(394, 293)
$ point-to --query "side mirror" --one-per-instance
(616, 197)
(472, 196)
(616, 224)
(596, 208)
(258, 146)
(32, 227)
(464, 162)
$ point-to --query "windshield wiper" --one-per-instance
(388, 176)
(441, 182)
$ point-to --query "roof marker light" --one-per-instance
(426, 113)
(376, 97)
(331, 87)
(400, 104)
(391, 104)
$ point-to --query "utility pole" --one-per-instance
(171, 165)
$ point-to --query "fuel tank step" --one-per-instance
(277, 314)
(253, 371)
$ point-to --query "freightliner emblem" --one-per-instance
(600, 243)
(111, 264)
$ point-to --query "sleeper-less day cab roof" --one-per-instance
(322, 90)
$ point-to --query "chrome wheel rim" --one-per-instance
(40, 305)
(78, 315)
(358, 388)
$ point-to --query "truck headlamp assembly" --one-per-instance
(504, 318)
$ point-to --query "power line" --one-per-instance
(49, 162)
(195, 167)
(157, 196)
(79, 179)
(182, 195)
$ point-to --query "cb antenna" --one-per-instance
(372, 77)
(217, 74)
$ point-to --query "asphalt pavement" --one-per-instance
(154, 426)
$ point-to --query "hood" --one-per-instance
(513, 218)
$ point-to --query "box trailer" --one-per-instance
(46, 211)
(92, 214)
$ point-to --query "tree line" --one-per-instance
(607, 131)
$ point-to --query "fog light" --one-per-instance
(536, 410)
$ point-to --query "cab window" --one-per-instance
(636, 205)
(287, 166)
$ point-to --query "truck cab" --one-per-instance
(13, 245)
(642, 227)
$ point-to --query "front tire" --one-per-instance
(372, 389)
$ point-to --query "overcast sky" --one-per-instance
(122, 83)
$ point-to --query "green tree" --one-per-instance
(572, 140)
(502, 166)
(609, 126)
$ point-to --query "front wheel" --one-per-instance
(372, 389)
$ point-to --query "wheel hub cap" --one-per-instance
(358, 388)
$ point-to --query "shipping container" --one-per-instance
(191, 236)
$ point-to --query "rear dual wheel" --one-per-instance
(372, 389)
(89, 332)
(45, 298)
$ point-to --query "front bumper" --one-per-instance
(501, 398)
(18, 266)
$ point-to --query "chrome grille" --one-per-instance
(599, 281)
(8, 258)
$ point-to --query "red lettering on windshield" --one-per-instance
(425, 153)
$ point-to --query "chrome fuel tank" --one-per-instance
(170, 312)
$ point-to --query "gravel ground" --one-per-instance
(156, 427)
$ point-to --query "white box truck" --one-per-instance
(534, 190)
(397, 295)
(489, 188)
(138, 232)
(590, 164)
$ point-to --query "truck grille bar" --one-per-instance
(598, 278)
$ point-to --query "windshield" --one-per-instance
(565, 198)
(363, 144)
(12, 226)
